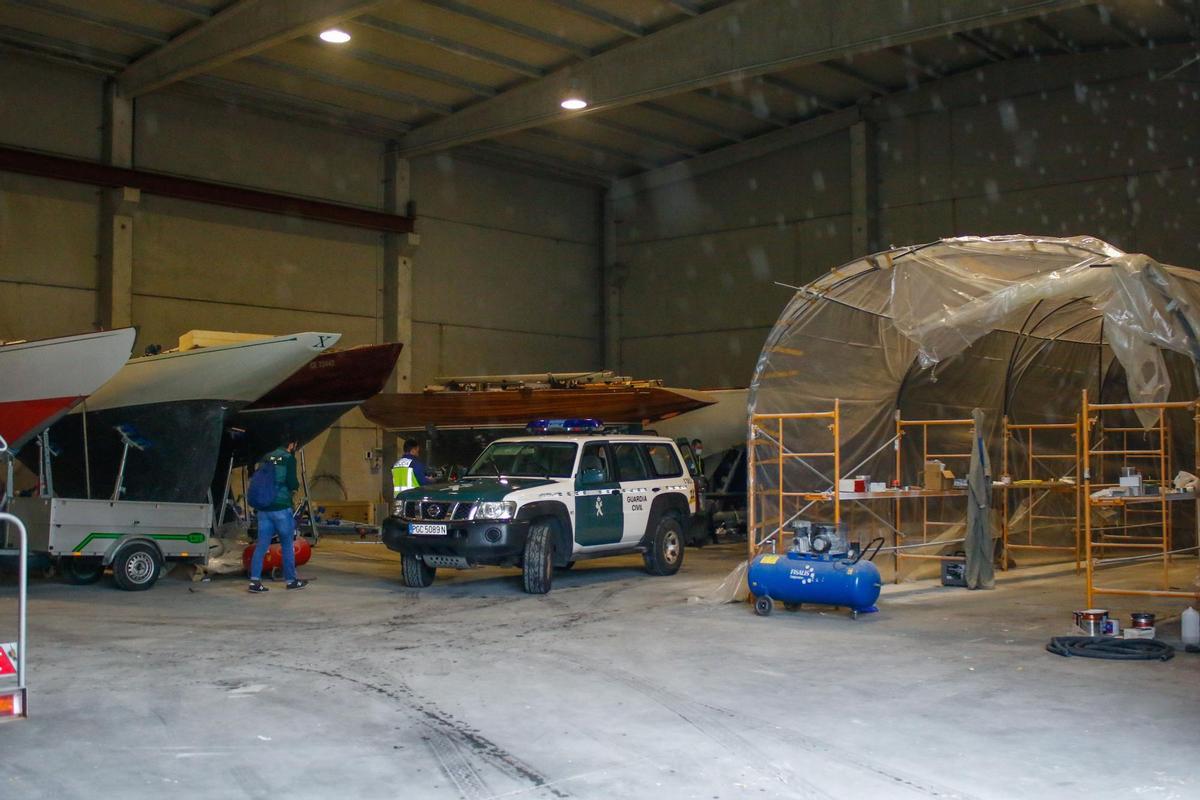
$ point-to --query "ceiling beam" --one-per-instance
(601, 16)
(1054, 34)
(857, 77)
(733, 154)
(76, 170)
(409, 68)
(194, 10)
(511, 26)
(646, 136)
(240, 30)
(92, 18)
(759, 110)
(452, 46)
(1127, 34)
(698, 122)
(685, 7)
(741, 40)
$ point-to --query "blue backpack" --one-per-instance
(262, 490)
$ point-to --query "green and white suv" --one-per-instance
(545, 502)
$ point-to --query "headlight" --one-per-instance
(503, 509)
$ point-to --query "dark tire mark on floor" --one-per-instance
(442, 724)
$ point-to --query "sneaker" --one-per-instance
(297, 584)
(257, 587)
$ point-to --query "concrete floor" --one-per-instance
(613, 686)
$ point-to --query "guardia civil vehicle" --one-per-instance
(544, 501)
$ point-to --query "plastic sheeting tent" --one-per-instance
(1015, 325)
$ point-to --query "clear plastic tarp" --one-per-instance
(1017, 326)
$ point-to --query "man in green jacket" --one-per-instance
(276, 519)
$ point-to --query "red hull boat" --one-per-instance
(42, 380)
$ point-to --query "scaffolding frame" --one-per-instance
(1158, 505)
(903, 427)
(1036, 489)
(760, 433)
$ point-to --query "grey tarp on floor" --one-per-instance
(1013, 325)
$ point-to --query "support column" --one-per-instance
(399, 251)
(864, 203)
(611, 278)
(117, 206)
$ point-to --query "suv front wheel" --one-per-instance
(416, 573)
(537, 568)
(664, 551)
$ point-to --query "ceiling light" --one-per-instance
(335, 36)
(574, 103)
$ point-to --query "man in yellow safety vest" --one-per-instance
(408, 472)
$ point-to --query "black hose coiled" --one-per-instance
(1110, 648)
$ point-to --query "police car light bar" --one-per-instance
(581, 425)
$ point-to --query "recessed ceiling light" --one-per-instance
(574, 103)
(335, 36)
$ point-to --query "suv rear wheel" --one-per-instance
(664, 555)
(537, 568)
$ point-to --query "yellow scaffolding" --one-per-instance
(769, 430)
(921, 428)
(1149, 512)
(1040, 474)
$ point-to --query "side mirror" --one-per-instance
(591, 476)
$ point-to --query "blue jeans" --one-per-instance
(274, 523)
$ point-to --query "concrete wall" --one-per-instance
(494, 244)
(1070, 145)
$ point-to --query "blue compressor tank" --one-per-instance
(827, 579)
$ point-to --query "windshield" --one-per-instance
(525, 459)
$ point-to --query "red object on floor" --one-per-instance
(274, 558)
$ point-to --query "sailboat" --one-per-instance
(42, 380)
(164, 415)
(309, 401)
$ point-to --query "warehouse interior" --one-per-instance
(641, 195)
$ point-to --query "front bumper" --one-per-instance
(483, 541)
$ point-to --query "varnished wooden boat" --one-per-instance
(613, 402)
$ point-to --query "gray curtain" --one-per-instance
(979, 545)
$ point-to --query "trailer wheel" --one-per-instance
(81, 571)
(416, 573)
(763, 606)
(137, 567)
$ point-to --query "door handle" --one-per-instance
(615, 491)
(656, 488)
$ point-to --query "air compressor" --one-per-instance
(822, 567)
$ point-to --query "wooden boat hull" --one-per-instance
(308, 402)
(509, 407)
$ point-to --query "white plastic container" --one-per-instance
(1190, 624)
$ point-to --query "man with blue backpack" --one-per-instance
(270, 494)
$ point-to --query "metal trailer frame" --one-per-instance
(102, 530)
(20, 693)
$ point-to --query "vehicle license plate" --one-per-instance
(428, 530)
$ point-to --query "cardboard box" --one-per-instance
(193, 339)
(937, 477)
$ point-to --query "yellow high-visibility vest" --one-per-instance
(403, 476)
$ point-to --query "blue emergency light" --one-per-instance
(578, 425)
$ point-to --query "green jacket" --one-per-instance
(286, 481)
